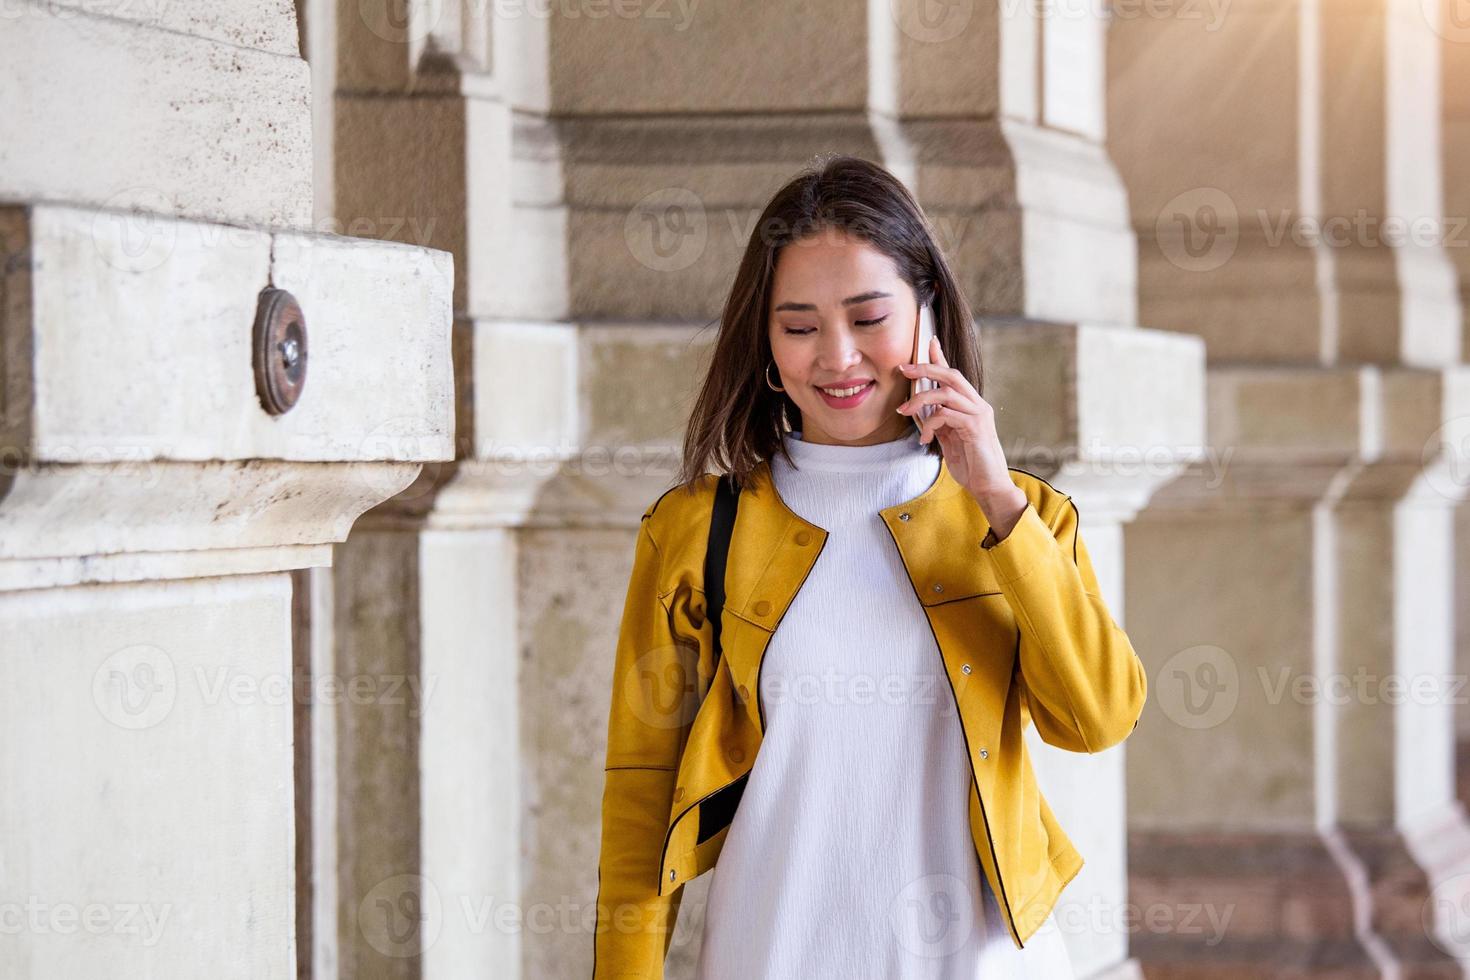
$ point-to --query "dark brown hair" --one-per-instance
(738, 421)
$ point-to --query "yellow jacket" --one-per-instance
(1022, 629)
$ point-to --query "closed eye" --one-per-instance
(861, 323)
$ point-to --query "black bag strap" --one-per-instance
(717, 554)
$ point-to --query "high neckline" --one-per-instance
(853, 459)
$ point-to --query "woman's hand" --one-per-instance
(964, 423)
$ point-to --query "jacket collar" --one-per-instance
(770, 510)
(773, 549)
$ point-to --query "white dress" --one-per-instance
(850, 855)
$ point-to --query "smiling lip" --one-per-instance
(852, 400)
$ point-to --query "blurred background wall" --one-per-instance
(1217, 249)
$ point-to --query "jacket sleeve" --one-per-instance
(648, 723)
(1081, 679)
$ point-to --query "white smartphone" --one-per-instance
(922, 336)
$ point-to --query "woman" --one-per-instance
(900, 606)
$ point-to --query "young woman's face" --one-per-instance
(841, 317)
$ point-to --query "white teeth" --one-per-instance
(844, 392)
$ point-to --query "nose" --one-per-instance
(837, 353)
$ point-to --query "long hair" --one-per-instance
(738, 421)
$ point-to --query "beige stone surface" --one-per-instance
(567, 642)
(638, 383)
(708, 57)
(1225, 740)
(157, 174)
(269, 25)
(471, 663)
(139, 343)
(528, 386)
(1126, 402)
(148, 804)
(192, 125)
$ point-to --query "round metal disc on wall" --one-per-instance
(279, 346)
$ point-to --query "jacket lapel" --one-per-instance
(773, 549)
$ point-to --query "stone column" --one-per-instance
(442, 123)
(1291, 592)
(1454, 32)
(439, 138)
(157, 495)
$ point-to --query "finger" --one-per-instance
(967, 398)
(936, 353)
(935, 396)
(939, 372)
(942, 418)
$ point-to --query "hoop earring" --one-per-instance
(768, 379)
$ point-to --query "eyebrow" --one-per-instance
(850, 301)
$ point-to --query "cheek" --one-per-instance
(897, 349)
(787, 356)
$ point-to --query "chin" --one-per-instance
(872, 429)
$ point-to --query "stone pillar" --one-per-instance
(153, 510)
(439, 138)
(443, 136)
(1454, 31)
(1291, 593)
